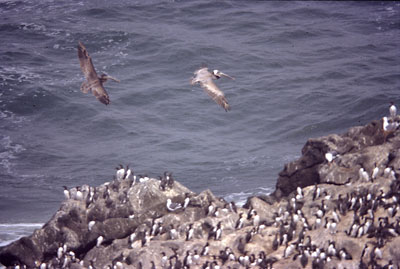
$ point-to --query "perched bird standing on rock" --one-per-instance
(173, 234)
(170, 180)
(363, 175)
(60, 252)
(205, 250)
(330, 156)
(375, 172)
(388, 127)
(232, 206)
(78, 194)
(196, 257)
(317, 192)
(188, 260)
(186, 201)
(190, 232)
(99, 241)
(91, 224)
(164, 260)
(173, 206)
(256, 219)
(163, 183)
(240, 221)
(392, 110)
(66, 193)
(128, 174)
(120, 172)
(299, 195)
(210, 209)
(288, 250)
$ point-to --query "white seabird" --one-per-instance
(99, 241)
(392, 110)
(205, 79)
(66, 193)
(173, 206)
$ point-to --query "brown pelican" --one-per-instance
(205, 79)
(93, 82)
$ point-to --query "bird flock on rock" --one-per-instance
(294, 229)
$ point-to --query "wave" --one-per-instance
(240, 198)
(10, 232)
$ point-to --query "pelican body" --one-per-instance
(93, 82)
(205, 79)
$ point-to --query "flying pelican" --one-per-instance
(93, 82)
(205, 79)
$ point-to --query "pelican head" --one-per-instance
(105, 77)
(219, 74)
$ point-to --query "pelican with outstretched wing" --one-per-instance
(93, 82)
(205, 79)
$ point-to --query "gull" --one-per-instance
(173, 206)
(93, 82)
(330, 156)
(205, 79)
(388, 127)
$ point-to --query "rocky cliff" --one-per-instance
(335, 207)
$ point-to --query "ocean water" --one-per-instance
(302, 69)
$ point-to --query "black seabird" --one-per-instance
(163, 183)
(206, 248)
(188, 260)
(186, 201)
(190, 232)
(240, 222)
(170, 179)
(233, 207)
(173, 233)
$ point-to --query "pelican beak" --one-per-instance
(225, 75)
(112, 78)
(193, 81)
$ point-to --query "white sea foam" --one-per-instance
(240, 198)
(9, 232)
(8, 151)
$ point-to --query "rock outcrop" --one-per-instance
(337, 206)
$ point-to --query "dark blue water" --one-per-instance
(302, 69)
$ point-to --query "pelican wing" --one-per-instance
(216, 94)
(86, 63)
